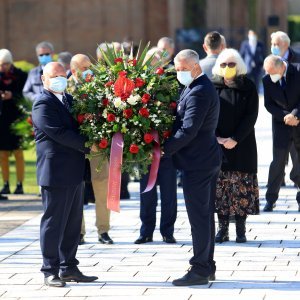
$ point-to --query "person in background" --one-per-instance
(282, 101)
(103, 47)
(253, 54)
(213, 45)
(167, 44)
(12, 81)
(34, 85)
(80, 67)
(65, 58)
(237, 186)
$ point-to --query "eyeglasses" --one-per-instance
(44, 54)
(230, 65)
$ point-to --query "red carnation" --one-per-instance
(80, 118)
(159, 71)
(29, 120)
(146, 98)
(103, 144)
(108, 84)
(127, 113)
(118, 60)
(134, 149)
(105, 101)
(110, 117)
(166, 134)
(122, 73)
(148, 138)
(132, 62)
(144, 112)
(173, 105)
(139, 82)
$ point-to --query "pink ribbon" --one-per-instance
(155, 163)
(114, 177)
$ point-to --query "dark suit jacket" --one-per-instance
(249, 57)
(280, 102)
(59, 146)
(194, 143)
(294, 57)
(34, 85)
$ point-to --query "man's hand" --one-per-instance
(290, 120)
(6, 95)
(94, 148)
(229, 143)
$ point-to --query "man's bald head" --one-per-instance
(52, 70)
(274, 64)
(79, 63)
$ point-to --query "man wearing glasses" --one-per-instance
(34, 86)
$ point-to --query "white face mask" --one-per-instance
(275, 77)
(252, 38)
(185, 77)
(58, 84)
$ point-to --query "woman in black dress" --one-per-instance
(237, 187)
(12, 81)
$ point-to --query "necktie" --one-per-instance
(283, 82)
(66, 103)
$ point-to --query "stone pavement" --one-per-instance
(267, 267)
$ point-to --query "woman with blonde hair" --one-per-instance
(237, 186)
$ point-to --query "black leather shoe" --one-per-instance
(5, 189)
(269, 206)
(212, 277)
(54, 281)
(191, 278)
(77, 277)
(19, 189)
(144, 239)
(81, 239)
(299, 207)
(169, 239)
(104, 238)
(3, 197)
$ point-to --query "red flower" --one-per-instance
(146, 98)
(105, 101)
(88, 78)
(144, 112)
(159, 71)
(108, 84)
(84, 96)
(118, 60)
(29, 120)
(132, 62)
(166, 134)
(122, 73)
(127, 113)
(134, 149)
(80, 118)
(148, 138)
(110, 117)
(103, 144)
(139, 82)
(173, 105)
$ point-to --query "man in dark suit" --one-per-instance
(282, 100)
(1, 196)
(60, 168)
(252, 51)
(196, 151)
(34, 85)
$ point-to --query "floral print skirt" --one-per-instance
(237, 194)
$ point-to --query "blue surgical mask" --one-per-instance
(58, 84)
(45, 59)
(275, 50)
(86, 73)
(185, 77)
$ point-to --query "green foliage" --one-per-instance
(24, 65)
(294, 27)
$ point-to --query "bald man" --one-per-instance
(60, 167)
(80, 66)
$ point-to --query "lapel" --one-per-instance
(187, 90)
(57, 101)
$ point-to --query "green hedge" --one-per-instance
(294, 28)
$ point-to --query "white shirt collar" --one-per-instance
(58, 96)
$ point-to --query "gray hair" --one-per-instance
(64, 58)
(6, 56)
(44, 44)
(274, 60)
(282, 36)
(241, 68)
(187, 54)
(167, 40)
(103, 47)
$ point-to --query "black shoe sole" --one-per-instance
(105, 242)
(71, 279)
(220, 241)
(184, 283)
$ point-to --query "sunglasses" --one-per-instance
(44, 54)
(230, 65)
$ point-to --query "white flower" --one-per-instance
(133, 100)
(104, 114)
(158, 103)
(118, 102)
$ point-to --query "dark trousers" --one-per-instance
(295, 172)
(166, 178)
(277, 166)
(60, 228)
(199, 189)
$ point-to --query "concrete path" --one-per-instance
(267, 267)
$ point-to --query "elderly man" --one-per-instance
(34, 86)
(80, 65)
(60, 167)
(213, 46)
(167, 44)
(65, 58)
(282, 100)
(196, 151)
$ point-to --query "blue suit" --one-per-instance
(60, 169)
(34, 85)
(196, 151)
